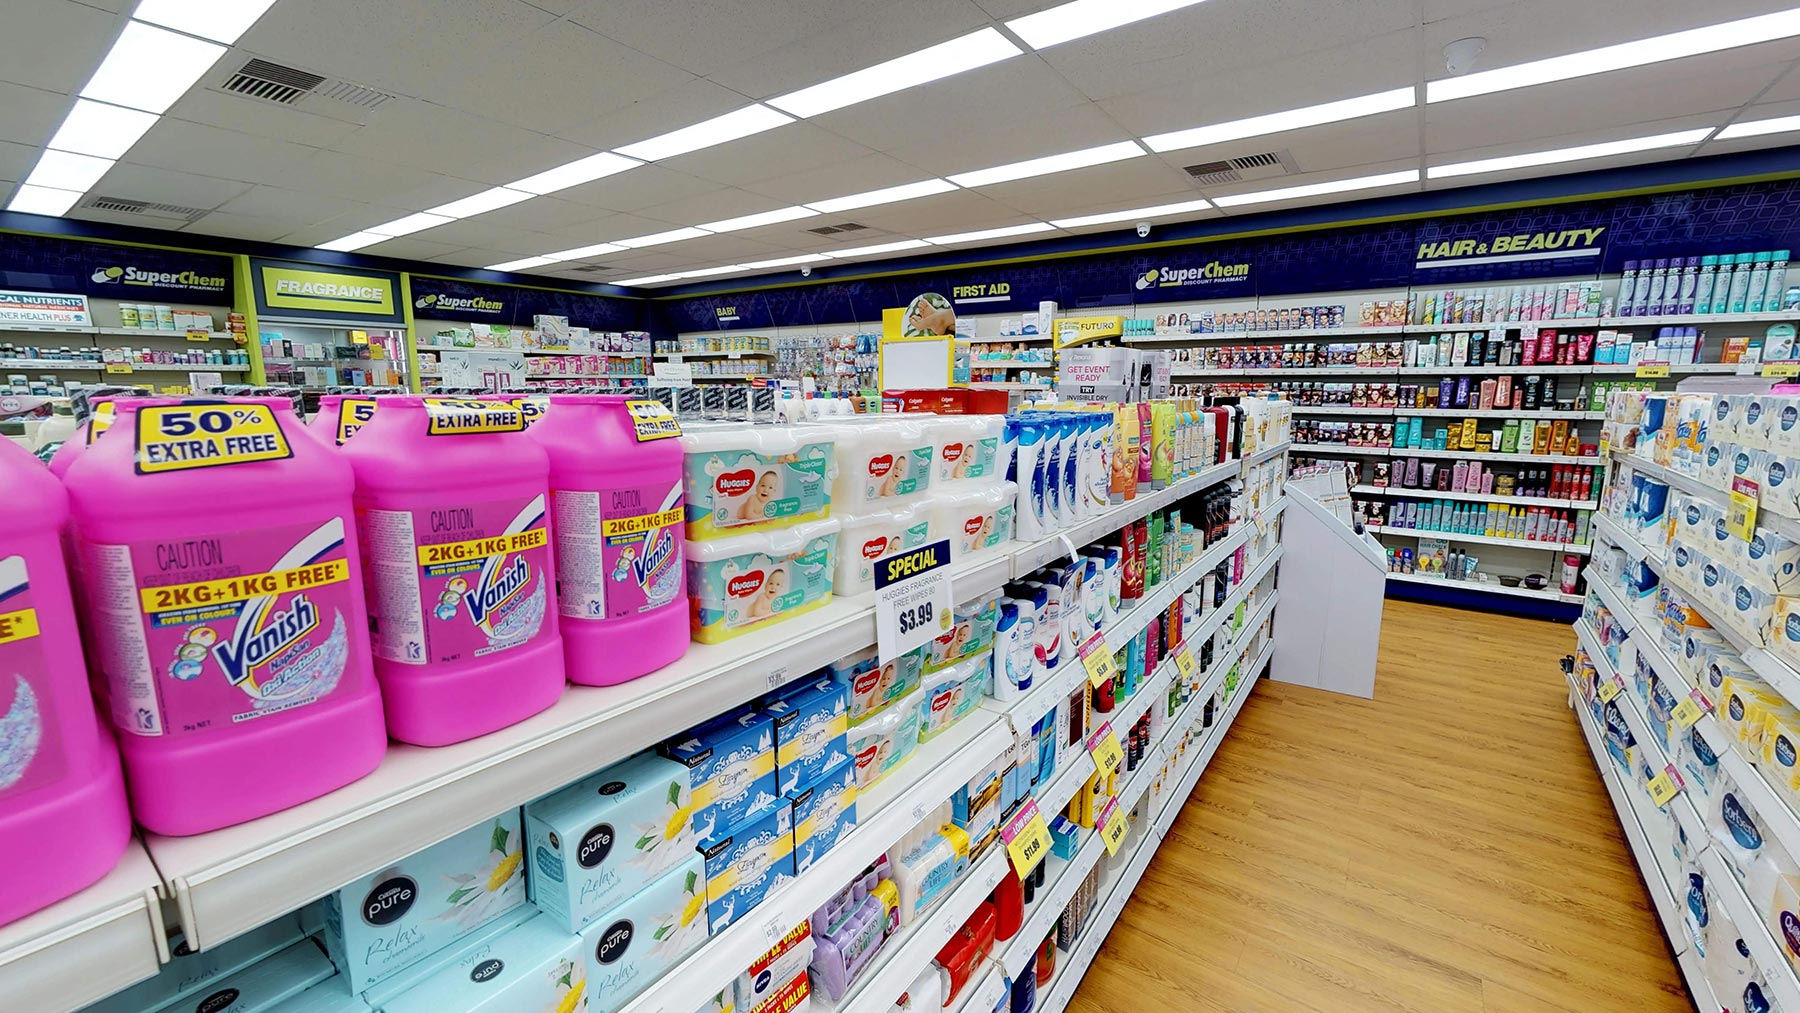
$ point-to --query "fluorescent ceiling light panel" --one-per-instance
(1010, 230)
(218, 20)
(582, 170)
(1087, 17)
(353, 241)
(659, 238)
(708, 272)
(149, 68)
(804, 258)
(946, 59)
(520, 265)
(479, 203)
(761, 218)
(1757, 128)
(649, 279)
(1693, 42)
(1315, 189)
(1569, 154)
(62, 170)
(1048, 164)
(410, 224)
(752, 119)
(1292, 119)
(43, 200)
(886, 195)
(869, 251)
(95, 128)
(580, 252)
(1160, 211)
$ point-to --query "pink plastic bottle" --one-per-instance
(616, 509)
(225, 597)
(341, 416)
(451, 512)
(63, 818)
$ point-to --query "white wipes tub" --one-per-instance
(741, 478)
(975, 518)
(874, 532)
(879, 460)
(966, 448)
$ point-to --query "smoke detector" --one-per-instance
(1460, 56)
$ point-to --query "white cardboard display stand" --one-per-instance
(1334, 583)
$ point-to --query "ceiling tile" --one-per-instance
(638, 188)
(31, 115)
(1120, 183)
(191, 147)
(163, 186)
(570, 75)
(292, 206)
(476, 232)
(957, 211)
(16, 160)
(369, 180)
(545, 214)
(55, 45)
(1302, 179)
(472, 147)
(769, 155)
(256, 228)
(604, 229)
(716, 205)
(1534, 29)
(412, 248)
(1518, 147)
(259, 117)
(958, 117)
(815, 183)
(673, 109)
(854, 34)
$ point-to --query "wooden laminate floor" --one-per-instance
(1445, 848)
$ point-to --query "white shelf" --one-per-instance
(86, 947)
(1061, 880)
(136, 367)
(1489, 455)
(1257, 336)
(531, 351)
(1700, 318)
(1488, 370)
(1451, 536)
(1354, 410)
(1497, 413)
(1000, 385)
(1788, 526)
(1340, 448)
(1476, 497)
(1031, 555)
(1010, 364)
(1247, 678)
(1778, 975)
(1486, 587)
(129, 332)
(760, 354)
(1674, 368)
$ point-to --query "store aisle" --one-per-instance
(1447, 847)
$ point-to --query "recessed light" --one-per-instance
(1757, 128)
(521, 265)
(1574, 154)
(101, 130)
(886, 195)
(479, 203)
(1086, 17)
(582, 170)
(353, 241)
(1315, 189)
(649, 279)
(869, 251)
(43, 200)
(64, 170)
(708, 272)
(1694, 41)
(804, 258)
(1010, 230)
(659, 238)
(946, 59)
(1292, 119)
(1049, 163)
(752, 119)
(581, 252)
(410, 224)
(761, 218)
(149, 68)
(218, 20)
(1160, 211)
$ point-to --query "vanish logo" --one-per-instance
(492, 593)
(659, 552)
(744, 585)
(734, 483)
(253, 645)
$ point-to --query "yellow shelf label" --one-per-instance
(199, 335)
(1781, 369)
(1097, 658)
(1740, 514)
(1664, 787)
(1027, 837)
(118, 367)
(1104, 747)
(1652, 370)
(1185, 663)
(1112, 824)
(1610, 689)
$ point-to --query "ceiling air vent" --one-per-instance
(832, 230)
(1236, 170)
(357, 95)
(148, 209)
(272, 82)
(1208, 173)
(590, 268)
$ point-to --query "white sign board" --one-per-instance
(44, 309)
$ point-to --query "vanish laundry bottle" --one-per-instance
(225, 598)
(63, 819)
(451, 513)
(616, 518)
(341, 416)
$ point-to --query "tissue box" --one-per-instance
(731, 768)
(824, 811)
(332, 995)
(189, 972)
(633, 944)
(264, 985)
(742, 866)
(532, 966)
(595, 841)
(810, 722)
(382, 923)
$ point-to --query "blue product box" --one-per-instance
(633, 944)
(332, 995)
(189, 971)
(1065, 837)
(731, 769)
(532, 966)
(824, 811)
(259, 987)
(380, 924)
(811, 720)
(742, 866)
(594, 842)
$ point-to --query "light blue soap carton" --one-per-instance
(731, 768)
(189, 972)
(632, 945)
(381, 924)
(534, 966)
(810, 722)
(332, 995)
(260, 987)
(742, 866)
(594, 842)
(824, 811)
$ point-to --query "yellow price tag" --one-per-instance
(1688, 711)
(1112, 824)
(1104, 747)
(1605, 446)
(1740, 514)
(359, 337)
(1185, 663)
(1610, 689)
(652, 420)
(1027, 837)
(1781, 369)
(1663, 787)
(199, 335)
(118, 367)
(1097, 658)
(1652, 370)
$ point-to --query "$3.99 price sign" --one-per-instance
(912, 599)
(1027, 837)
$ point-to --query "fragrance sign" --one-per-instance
(44, 309)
